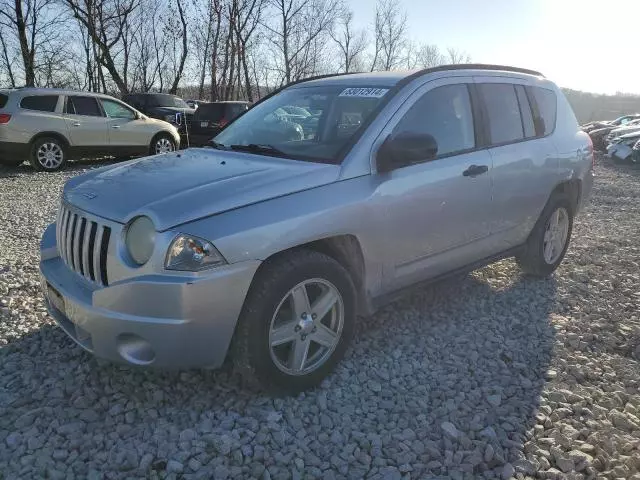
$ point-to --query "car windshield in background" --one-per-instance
(165, 100)
(306, 123)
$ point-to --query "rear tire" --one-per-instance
(287, 344)
(549, 239)
(48, 154)
(162, 143)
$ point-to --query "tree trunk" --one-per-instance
(183, 56)
(27, 53)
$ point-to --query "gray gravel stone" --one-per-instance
(486, 375)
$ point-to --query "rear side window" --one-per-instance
(235, 110)
(41, 103)
(525, 112)
(87, 106)
(547, 107)
(505, 124)
(3, 100)
(445, 114)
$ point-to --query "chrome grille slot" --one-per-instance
(83, 245)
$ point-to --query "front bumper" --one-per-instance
(160, 320)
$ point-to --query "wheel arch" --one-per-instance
(45, 134)
(572, 189)
(347, 251)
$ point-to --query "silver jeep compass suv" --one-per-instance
(49, 126)
(269, 244)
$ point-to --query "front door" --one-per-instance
(127, 133)
(86, 124)
(434, 213)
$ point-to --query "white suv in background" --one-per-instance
(50, 126)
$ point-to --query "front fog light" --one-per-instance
(140, 239)
(188, 253)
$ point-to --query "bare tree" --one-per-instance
(454, 56)
(351, 43)
(6, 62)
(33, 25)
(428, 56)
(294, 31)
(105, 21)
(390, 29)
(184, 51)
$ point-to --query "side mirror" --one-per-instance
(404, 149)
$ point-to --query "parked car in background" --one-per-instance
(163, 106)
(598, 131)
(48, 127)
(211, 117)
(269, 246)
(621, 147)
(194, 103)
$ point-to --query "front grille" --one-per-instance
(83, 245)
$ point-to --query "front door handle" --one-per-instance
(76, 124)
(116, 126)
(475, 170)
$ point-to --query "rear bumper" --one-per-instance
(13, 150)
(156, 320)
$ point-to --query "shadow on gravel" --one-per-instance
(448, 380)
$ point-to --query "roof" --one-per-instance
(395, 77)
(57, 91)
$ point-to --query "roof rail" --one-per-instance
(476, 66)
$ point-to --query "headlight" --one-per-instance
(192, 254)
(170, 118)
(140, 239)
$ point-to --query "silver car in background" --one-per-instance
(269, 244)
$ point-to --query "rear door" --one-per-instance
(86, 122)
(523, 159)
(125, 130)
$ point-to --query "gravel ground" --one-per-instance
(493, 375)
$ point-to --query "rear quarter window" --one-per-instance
(547, 107)
(40, 103)
(3, 100)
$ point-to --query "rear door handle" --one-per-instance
(115, 126)
(475, 170)
(77, 124)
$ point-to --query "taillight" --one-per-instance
(4, 118)
(223, 122)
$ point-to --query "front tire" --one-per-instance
(48, 154)
(549, 239)
(296, 323)
(162, 143)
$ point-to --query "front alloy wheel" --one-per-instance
(296, 323)
(306, 327)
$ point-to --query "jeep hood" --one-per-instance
(176, 188)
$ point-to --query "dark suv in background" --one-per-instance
(163, 106)
(210, 118)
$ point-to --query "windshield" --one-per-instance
(307, 123)
(165, 100)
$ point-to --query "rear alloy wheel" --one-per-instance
(549, 239)
(162, 144)
(48, 154)
(297, 322)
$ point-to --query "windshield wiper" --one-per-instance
(216, 145)
(260, 148)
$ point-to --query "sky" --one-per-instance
(581, 44)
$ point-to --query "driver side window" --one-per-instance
(444, 113)
(116, 110)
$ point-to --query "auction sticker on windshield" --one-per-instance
(364, 92)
